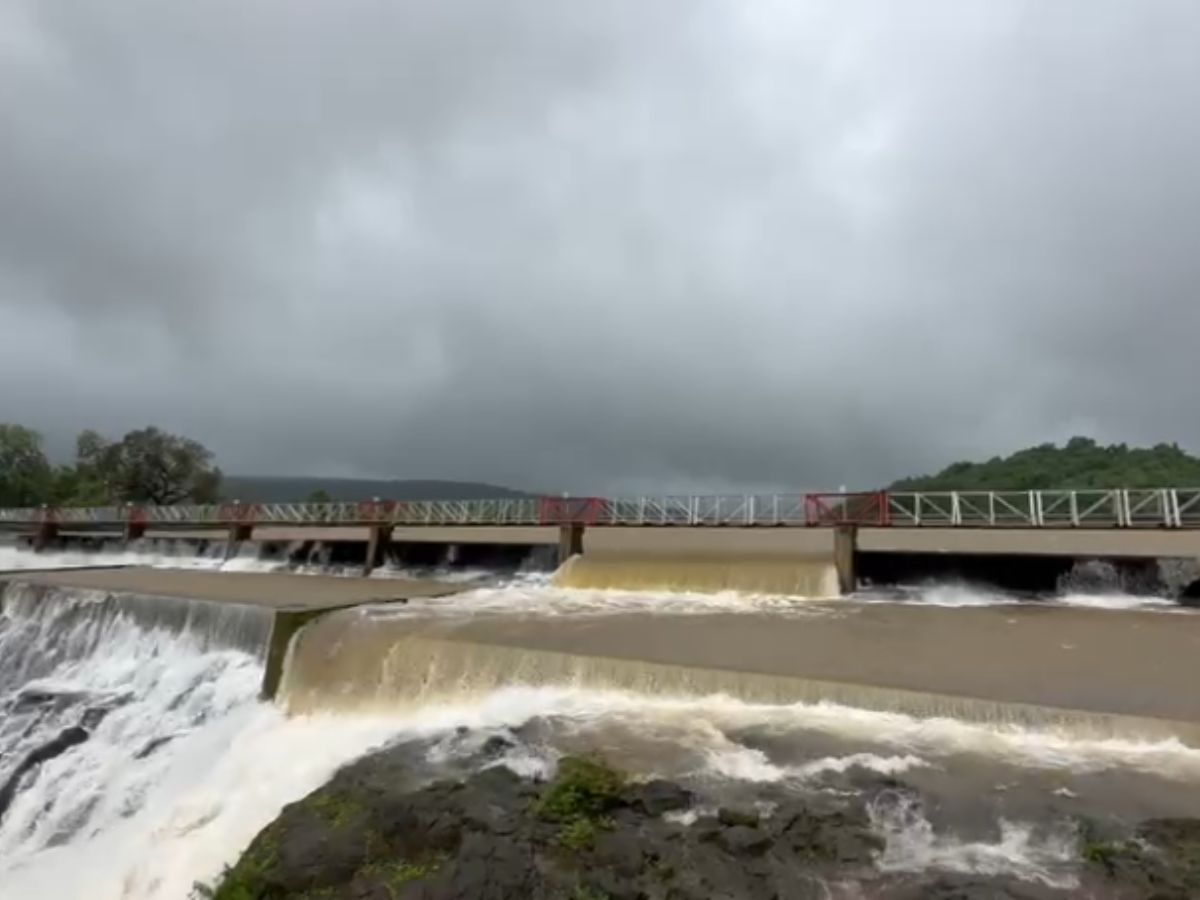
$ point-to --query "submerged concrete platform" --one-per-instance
(1121, 674)
(1120, 662)
(290, 600)
(277, 591)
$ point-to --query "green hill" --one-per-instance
(1080, 463)
(268, 489)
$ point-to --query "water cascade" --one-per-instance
(789, 576)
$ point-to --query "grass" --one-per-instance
(582, 791)
(583, 788)
(246, 880)
(338, 809)
(394, 874)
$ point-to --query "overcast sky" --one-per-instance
(610, 246)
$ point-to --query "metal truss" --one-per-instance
(1131, 508)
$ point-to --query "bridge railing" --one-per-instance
(1124, 508)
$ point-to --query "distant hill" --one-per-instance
(1080, 463)
(268, 489)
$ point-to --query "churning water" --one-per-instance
(136, 757)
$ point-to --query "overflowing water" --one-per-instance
(136, 757)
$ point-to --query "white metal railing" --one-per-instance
(1124, 508)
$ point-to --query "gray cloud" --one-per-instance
(605, 246)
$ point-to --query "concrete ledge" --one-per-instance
(187, 534)
(1111, 543)
(327, 533)
(477, 534)
(677, 541)
(271, 590)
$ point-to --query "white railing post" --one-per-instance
(1074, 498)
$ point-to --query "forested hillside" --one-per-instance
(1080, 463)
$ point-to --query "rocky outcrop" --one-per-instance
(1160, 860)
(372, 833)
(586, 834)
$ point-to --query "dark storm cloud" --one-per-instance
(601, 246)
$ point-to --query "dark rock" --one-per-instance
(970, 887)
(733, 817)
(654, 798)
(66, 739)
(1160, 860)
(842, 836)
(1190, 595)
(153, 745)
(374, 832)
(621, 852)
(496, 746)
(741, 840)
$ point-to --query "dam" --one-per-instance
(154, 719)
(375, 643)
(812, 544)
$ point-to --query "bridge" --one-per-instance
(853, 528)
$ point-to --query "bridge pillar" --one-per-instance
(46, 534)
(845, 541)
(238, 532)
(379, 539)
(570, 542)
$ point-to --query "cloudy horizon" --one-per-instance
(602, 247)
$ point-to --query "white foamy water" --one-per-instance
(179, 819)
(167, 554)
(1120, 601)
(159, 554)
(957, 595)
(1022, 850)
(183, 765)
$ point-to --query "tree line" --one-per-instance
(1081, 463)
(147, 466)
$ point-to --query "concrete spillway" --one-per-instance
(1111, 673)
(803, 577)
(1103, 673)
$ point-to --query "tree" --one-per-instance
(1081, 463)
(25, 473)
(148, 466)
(320, 495)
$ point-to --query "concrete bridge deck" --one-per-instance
(276, 591)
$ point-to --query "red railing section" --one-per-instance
(868, 509)
(572, 510)
(376, 510)
(240, 513)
